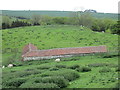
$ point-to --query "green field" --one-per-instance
(28, 14)
(98, 71)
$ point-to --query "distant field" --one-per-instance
(28, 14)
(48, 37)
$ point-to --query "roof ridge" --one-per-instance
(68, 48)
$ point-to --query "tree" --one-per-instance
(6, 22)
(115, 29)
(46, 20)
(84, 19)
(36, 19)
(102, 24)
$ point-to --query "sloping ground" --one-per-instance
(99, 71)
(49, 37)
(74, 72)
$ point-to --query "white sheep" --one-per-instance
(3, 66)
(57, 60)
(10, 65)
(102, 31)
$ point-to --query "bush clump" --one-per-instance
(61, 66)
(118, 69)
(44, 67)
(73, 66)
(38, 85)
(54, 69)
(83, 69)
(86, 69)
(104, 70)
(14, 82)
(27, 73)
(66, 73)
(97, 65)
(58, 80)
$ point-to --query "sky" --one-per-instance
(105, 6)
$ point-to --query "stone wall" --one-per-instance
(45, 57)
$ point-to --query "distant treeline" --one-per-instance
(86, 20)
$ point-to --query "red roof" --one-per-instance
(28, 48)
(60, 51)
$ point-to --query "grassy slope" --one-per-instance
(92, 79)
(47, 37)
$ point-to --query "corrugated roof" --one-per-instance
(61, 51)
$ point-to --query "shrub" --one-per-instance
(15, 82)
(97, 65)
(86, 69)
(83, 69)
(79, 69)
(26, 73)
(118, 69)
(71, 59)
(61, 66)
(43, 67)
(102, 65)
(66, 73)
(104, 70)
(58, 80)
(38, 85)
(74, 66)
(117, 86)
(54, 69)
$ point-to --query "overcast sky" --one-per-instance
(106, 6)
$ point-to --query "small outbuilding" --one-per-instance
(30, 52)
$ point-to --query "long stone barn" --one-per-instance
(30, 52)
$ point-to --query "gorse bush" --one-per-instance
(117, 69)
(102, 65)
(71, 59)
(54, 69)
(66, 73)
(44, 67)
(38, 85)
(97, 64)
(61, 66)
(58, 80)
(83, 69)
(86, 69)
(79, 69)
(73, 66)
(26, 73)
(15, 82)
(105, 70)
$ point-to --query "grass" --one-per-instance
(68, 70)
(90, 79)
(54, 36)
